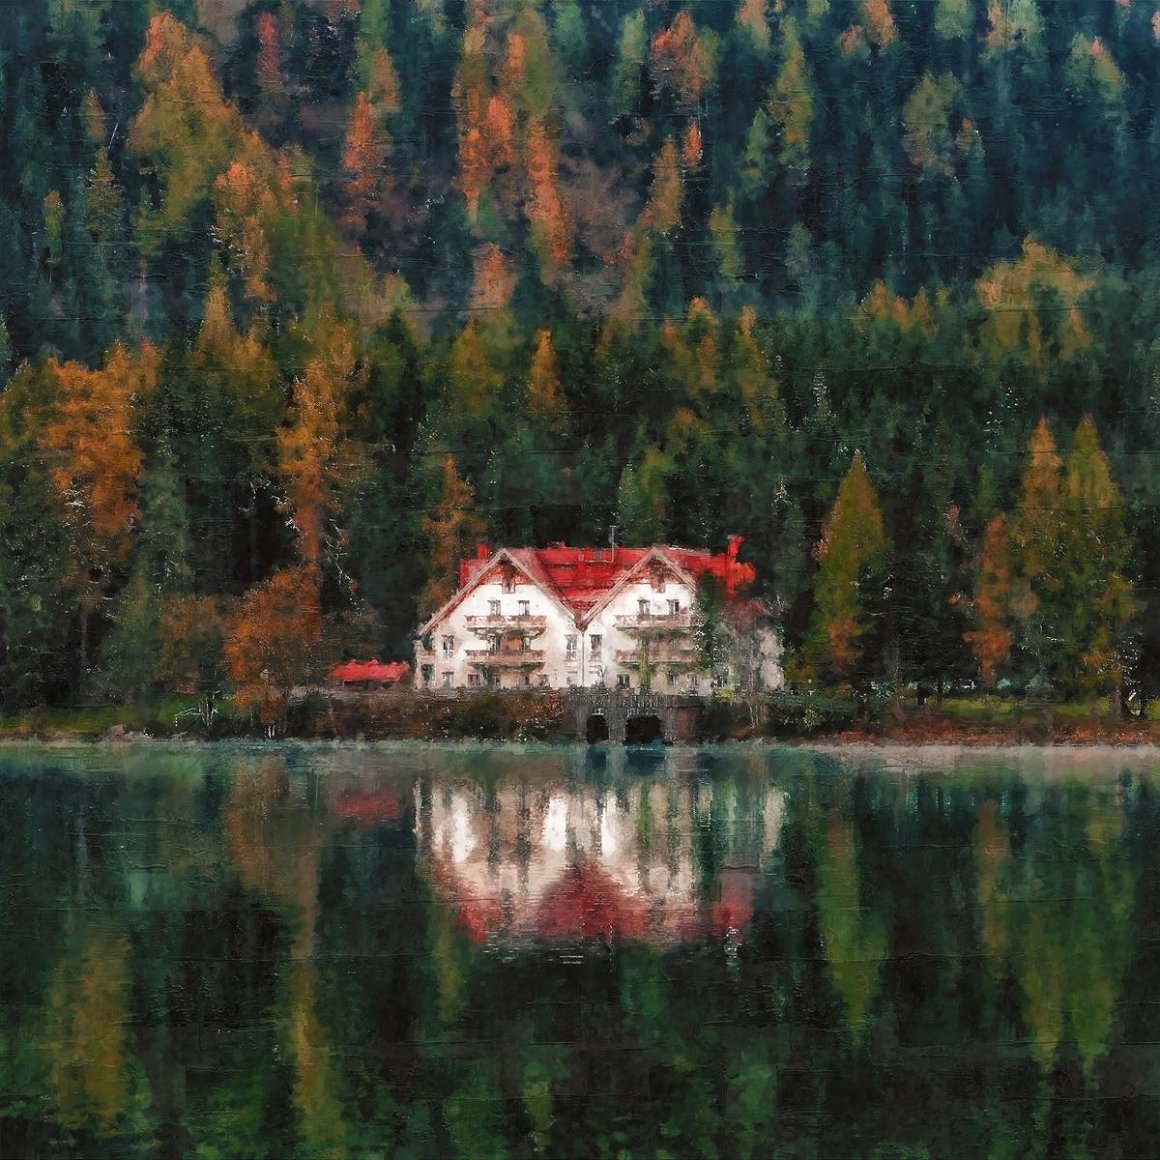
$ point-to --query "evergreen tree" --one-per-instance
(852, 555)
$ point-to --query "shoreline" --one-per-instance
(830, 746)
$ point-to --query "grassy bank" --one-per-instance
(535, 716)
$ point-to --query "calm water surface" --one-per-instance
(442, 952)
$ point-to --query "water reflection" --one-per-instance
(649, 859)
(331, 953)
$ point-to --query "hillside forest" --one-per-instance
(301, 299)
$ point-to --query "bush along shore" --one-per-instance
(538, 716)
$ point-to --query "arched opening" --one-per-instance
(596, 729)
(644, 731)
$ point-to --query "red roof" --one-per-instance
(374, 672)
(586, 904)
(581, 577)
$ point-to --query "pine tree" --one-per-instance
(1096, 559)
(852, 555)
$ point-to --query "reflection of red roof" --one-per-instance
(369, 809)
(733, 908)
(372, 672)
(585, 903)
(581, 577)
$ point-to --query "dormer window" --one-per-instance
(509, 580)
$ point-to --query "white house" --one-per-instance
(612, 617)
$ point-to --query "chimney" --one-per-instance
(732, 547)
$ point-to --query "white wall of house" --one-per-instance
(658, 615)
(461, 641)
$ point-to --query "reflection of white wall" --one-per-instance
(645, 841)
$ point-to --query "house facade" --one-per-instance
(563, 617)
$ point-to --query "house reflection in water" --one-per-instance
(662, 860)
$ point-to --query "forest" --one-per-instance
(303, 298)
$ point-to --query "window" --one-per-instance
(525, 643)
(527, 678)
(493, 608)
(427, 643)
(570, 647)
(447, 680)
(570, 682)
(674, 608)
(642, 607)
(509, 581)
(543, 680)
(473, 680)
(493, 643)
(622, 681)
(428, 675)
(448, 645)
(595, 641)
(525, 608)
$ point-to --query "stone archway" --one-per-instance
(646, 729)
(596, 730)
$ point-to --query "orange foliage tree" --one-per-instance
(991, 637)
(95, 464)
(274, 641)
(316, 458)
(192, 635)
(451, 529)
(683, 59)
(363, 149)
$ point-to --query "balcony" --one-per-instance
(655, 623)
(507, 658)
(658, 656)
(505, 623)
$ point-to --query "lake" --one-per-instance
(424, 951)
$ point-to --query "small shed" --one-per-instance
(370, 674)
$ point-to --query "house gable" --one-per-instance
(655, 569)
(502, 566)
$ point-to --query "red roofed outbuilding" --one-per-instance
(371, 673)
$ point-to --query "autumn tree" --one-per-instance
(316, 458)
(991, 637)
(851, 555)
(545, 393)
(185, 127)
(1038, 531)
(684, 58)
(96, 464)
(274, 641)
(192, 634)
(451, 528)
(363, 149)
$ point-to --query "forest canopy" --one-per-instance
(301, 298)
